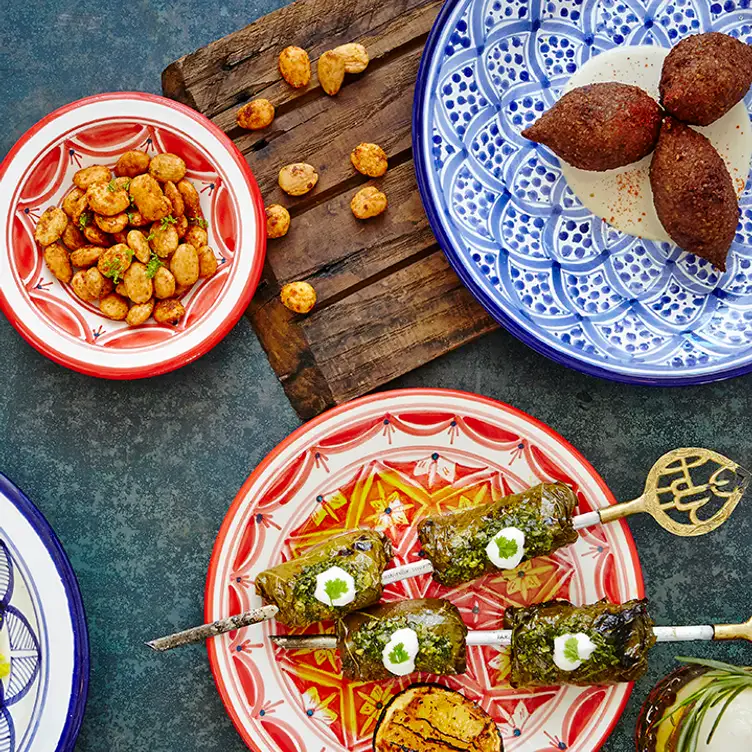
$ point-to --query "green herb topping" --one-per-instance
(200, 221)
(399, 654)
(335, 588)
(571, 651)
(507, 547)
(83, 220)
(151, 269)
(726, 683)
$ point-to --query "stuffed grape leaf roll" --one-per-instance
(559, 643)
(396, 639)
(329, 581)
(467, 544)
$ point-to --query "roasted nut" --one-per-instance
(149, 199)
(354, 55)
(78, 283)
(114, 306)
(94, 235)
(114, 262)
(120, 237)
(138, 284)
(164, 283)
(120, 290)
(298, 296)
(369, 159)
(207, 262)
(139, 245)
(168, 311)
(163, 238)
(182, 226)
(190, 198)
(277, 221)
(107, 199)
(139, 313)
(97, 284)
(57, 259)
(166, 167)
(368, 202)
(51, 226)
(122, 182)
(331, 70)
(86, 256)
(90, 175)
(73, 237)
(132, 163)
(112, 224)
(135, 218)
(176, 199)
(184, 265)
(256, 114)
(197, 236)
(295, 66)
(74, 204)
(297, 179)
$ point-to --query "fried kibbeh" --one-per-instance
(693, 192)
(704, 76)
(600, 126)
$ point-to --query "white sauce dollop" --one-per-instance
(399, 653)
(335, 587)
(506, 548)
(563, 648)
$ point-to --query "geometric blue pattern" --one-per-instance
(542, 264)
(24, 657)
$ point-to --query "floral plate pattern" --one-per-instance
(38, 173)
(556, 276)
(42, 632)
(385, 462)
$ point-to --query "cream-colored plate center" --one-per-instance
(623, 197)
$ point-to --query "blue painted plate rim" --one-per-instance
(455, 260)
(82, 663)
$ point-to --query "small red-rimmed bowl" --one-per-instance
(38, 173)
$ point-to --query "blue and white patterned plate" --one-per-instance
(546, 268)
(42, 632)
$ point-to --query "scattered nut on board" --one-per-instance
(297, 179)
(369, 159)
(355, 56)
(256, 114)
(295, 66)
(277, 221)
(368, 202)
(298, 296)
(331, 70)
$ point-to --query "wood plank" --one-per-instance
(348, 251)
(243, 65)
(415, 315)
(388, 301)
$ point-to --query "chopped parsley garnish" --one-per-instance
(399, 654)
(112, 185)
(164, 223)
(83, 220)
(571, 650)
(335, 588)
(200, 221)
(151, 270)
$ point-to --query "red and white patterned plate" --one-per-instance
(38, 173)
(386, 461)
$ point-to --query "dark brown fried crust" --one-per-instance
(704, 76)
(693, 193)
(600, 126)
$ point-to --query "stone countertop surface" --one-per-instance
(136, 477)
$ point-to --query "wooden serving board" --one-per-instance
(387, 299)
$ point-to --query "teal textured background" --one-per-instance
(136, 477)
